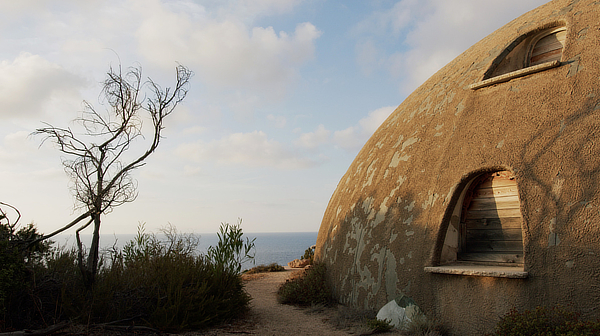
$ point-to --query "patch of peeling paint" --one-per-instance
(380, 217)
(397, 158)
(409, 142)
(430, 200)
(460, 107)
(370, 173)
(393, 237)
(400, 138)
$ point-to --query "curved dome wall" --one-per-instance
(398, 222)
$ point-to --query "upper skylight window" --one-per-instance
(533, 52)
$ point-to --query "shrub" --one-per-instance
(542, 321)
(18, 257)
(378, 326)
(308, 289)
(420, 325)
(231, 251)
(169, 286)
(309, 254)
(265, 268)
(163, 284)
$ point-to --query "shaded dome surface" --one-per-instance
(396, 217)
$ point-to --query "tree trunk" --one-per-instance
(91, 266)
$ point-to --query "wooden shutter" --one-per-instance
(491, 220)
(549, 48)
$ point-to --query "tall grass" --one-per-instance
(161, 284)
(308, 289)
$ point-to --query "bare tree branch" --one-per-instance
(99, 171)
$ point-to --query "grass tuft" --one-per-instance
(544, 321)
(265, 268)
(162, 284)
(309, 288)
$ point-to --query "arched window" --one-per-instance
(490, 225)
(548, 47)
(536, 51)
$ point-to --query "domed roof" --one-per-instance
(496, 107)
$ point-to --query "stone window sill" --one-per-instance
(514, 74)
(513, 272)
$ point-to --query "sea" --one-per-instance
(270, 247)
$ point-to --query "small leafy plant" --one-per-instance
(231, 251)
(378, 326)
(309, 254)
(274, 267)
(155, 281)
(543, 321)
(308, 289)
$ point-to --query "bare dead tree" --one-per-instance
(95, 160)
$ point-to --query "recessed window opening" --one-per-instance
(485, 226)
(533, 52)
(491, 220)
(548, 47)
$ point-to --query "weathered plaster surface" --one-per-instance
(385, 221)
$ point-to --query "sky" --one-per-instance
(284, 95)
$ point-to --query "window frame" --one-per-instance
(470, 268)
(532, 38)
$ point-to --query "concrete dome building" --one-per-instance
(481, 191)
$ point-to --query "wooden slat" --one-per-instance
(487, 203)
(494, 213)
(547, 47)
(498, 181)
(547, 57)
(492, 231)
(500, 191)
(493, 257)
(513, 246)
(491, 235)
(494, 223)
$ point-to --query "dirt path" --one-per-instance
(268, 317)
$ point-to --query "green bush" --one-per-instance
(378, 326)
(158, 283)
(231, 251)
(309, 254)
(420, 325)
(274, 267)
(542, 321)
(308, 289)
(18, 257)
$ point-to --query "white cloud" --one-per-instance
(374, 119)
(348, 139)
(428, 34)
(314, 139)
(253, 149)
(225, 51)
(277, 121)
(354, 137)
(29, 83)
(251, 9)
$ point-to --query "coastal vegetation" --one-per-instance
(97, 154)
(274, 267)
(153, 283)
(544, 321)
(309, 288)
